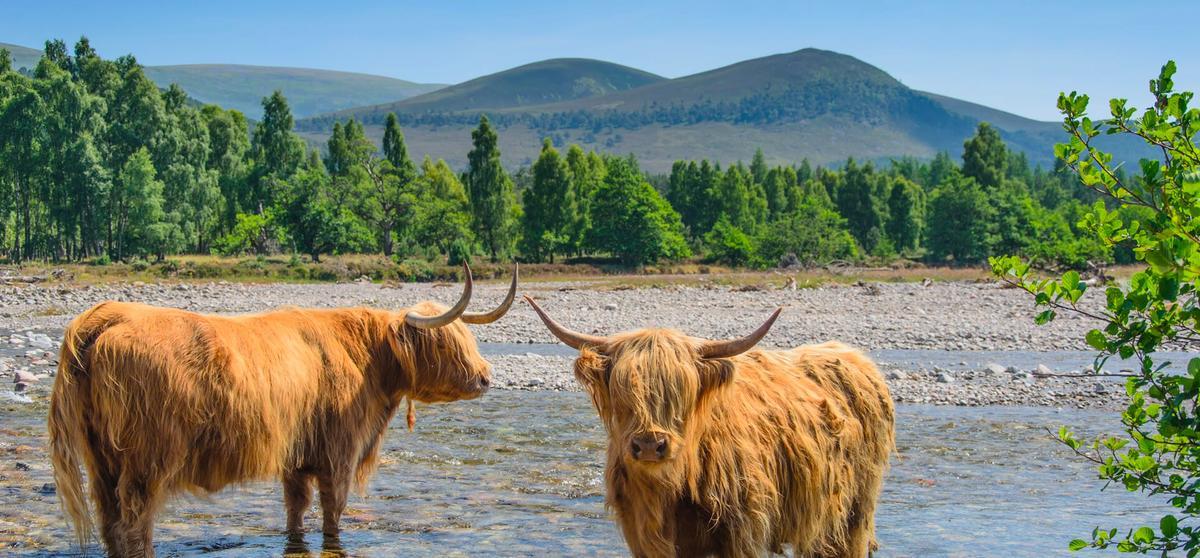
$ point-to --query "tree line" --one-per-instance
(98, 163)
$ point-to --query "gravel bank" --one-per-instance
(941, 316)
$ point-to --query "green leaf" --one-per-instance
(1144, 535)
(1044, 317)
(1077, 545)
(1096, 339)
(1169, 526)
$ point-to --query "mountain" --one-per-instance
(308, 91)
(241, 87)
(533, 84)
(22, 57)
(814, 104)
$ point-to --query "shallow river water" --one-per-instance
(520, 473)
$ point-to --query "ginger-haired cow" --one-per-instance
(717, 448)
(155, 401)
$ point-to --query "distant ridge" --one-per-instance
(816, 104)
(242, 87)
(538, 83)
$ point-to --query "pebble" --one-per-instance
(944, 378)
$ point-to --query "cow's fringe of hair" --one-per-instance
(777, 447)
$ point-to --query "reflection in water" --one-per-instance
(521, 474)
(297, 547)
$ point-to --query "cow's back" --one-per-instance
(813, 427)
(211, 399)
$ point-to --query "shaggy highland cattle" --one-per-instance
(155, 401)
(716, 448)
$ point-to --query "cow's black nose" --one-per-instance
(485, 382)
(649, 447)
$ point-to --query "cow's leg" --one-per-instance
(108, 511)
(334, 487)
(297, 496)
(139, 502)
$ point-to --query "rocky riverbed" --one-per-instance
(939, 317)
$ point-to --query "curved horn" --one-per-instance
(734, 347)
(573, 339)
(489, 317)
(430, 322)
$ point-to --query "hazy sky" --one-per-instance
(1014, 55)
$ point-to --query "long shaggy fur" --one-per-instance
(767, 449)
(154, 401)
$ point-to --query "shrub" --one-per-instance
(728, 244)
(1159, 454)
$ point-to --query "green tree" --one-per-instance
(141, 226)
(549, 207)
(985, 157)
(1159, 453)
(442, 215)
(813, 233)
(858, 203)
(491, 192)
(277, 151)
(906, 214)
(959, 217)
(632, 221)
(587, 172)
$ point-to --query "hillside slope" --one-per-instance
(22, 57)
(308, 91)
(814, 104)
(243, 87)
(538, 83)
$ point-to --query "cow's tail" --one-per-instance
(68, 441)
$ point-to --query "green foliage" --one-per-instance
(985, 157)
(546, 228)
(727, 243)
(490, 190)
(1159, 453)
(632, 221)
(959, 217)
(813, 233)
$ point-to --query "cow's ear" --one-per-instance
(591, 368)
(714, 373)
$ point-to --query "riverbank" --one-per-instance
(936, 317)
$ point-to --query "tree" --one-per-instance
(857, 202)
(442, 215)
(549, 207)
(985, 157)
(587, 172)
(490, 191)
(959, 214)
(1159, 453)
(229, 143)
(632, 221)
(906, 214)
(5, 61)
(813, 233)
(141, 227)
(21, 139)
(277, 151)
(389, 206)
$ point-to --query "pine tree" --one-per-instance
(549, 207)
(985, 157)
(491, 192)
(277, 151)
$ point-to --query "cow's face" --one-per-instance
(648, 386)
(443, 362)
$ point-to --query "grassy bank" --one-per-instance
(597, 274)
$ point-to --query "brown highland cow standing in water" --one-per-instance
(719, 449)
(155, 401)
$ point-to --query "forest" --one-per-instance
(99, 164)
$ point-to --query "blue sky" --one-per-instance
(1013, 55)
